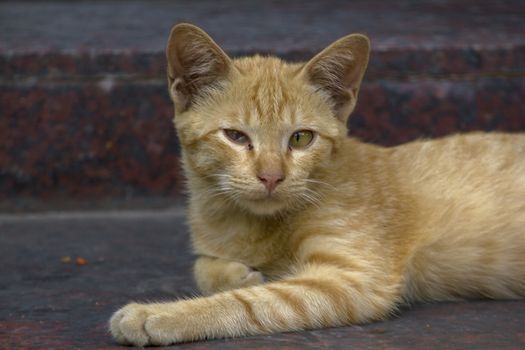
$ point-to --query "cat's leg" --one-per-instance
(319, 296)
(217, 275)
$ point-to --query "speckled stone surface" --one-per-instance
(83, 141)
(391, 112)
(84, 112)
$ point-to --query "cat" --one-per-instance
(298, 226)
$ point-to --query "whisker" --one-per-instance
(316, 194)
(320, 183)
(309, 199)
(216, 175)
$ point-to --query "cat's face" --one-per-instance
(259, 139)
(255, 131)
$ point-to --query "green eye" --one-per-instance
(237, 136)
(301, 139)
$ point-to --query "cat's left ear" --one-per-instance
(195, 62)
(338, 71)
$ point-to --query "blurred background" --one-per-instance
(85, 118)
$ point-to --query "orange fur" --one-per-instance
(352, 230)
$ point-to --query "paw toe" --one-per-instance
(132, 327)
(254, 277)
(127, 325)
(160, 330)
(114, 327)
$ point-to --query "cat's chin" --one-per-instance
(269, 206)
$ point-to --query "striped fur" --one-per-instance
(352, 231)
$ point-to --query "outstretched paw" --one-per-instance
(140, 325)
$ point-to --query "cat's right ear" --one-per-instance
(338, 71)
(195, 62)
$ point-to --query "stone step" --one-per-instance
(49, 301)
(84, 112)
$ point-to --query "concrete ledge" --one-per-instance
(248, 26)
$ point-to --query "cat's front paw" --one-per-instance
(140, 325)
(239, 276)
(218, 275)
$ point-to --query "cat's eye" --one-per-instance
(301, 139)
(237, 136)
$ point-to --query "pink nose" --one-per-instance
(271, 181)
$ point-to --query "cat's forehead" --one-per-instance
(261, 66)
(268, 88)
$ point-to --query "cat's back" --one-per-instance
(466, 180)
(463, 165)
(469, 195)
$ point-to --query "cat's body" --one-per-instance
(294, 235)
(443, 218)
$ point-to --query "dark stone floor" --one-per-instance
(47, 302)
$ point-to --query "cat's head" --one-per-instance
(257, 131)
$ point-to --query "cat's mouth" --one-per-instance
(262, 202)
(262, 198)
(257, 199)
(264, 205)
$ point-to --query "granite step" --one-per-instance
(84, 112)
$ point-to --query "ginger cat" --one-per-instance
(298, 226)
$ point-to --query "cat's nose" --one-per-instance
(270, 181)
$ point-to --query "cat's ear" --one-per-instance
(338, 70)
(195, 62)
